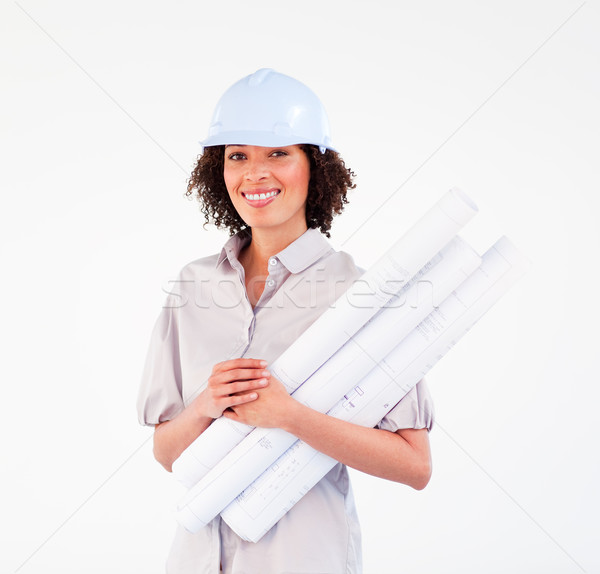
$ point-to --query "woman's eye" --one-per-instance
(279, 153)
(237, 156)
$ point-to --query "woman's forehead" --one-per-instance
(261, 147)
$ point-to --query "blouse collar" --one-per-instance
(296, 257)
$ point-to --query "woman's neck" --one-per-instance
(266, 242)
(255, 257)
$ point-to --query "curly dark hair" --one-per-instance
(329, 183)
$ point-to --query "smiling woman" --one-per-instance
(269, 174)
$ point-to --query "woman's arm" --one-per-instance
(231, 383)
(403, 456)
(172, 437)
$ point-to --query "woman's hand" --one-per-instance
(272, 408)
(230, 384)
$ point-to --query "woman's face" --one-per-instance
(268, 186)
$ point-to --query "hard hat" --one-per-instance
(269, 109)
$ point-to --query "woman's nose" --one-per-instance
(256, 169)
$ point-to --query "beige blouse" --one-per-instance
(207, 318)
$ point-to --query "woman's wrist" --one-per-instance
(200, 410)
(295, 417)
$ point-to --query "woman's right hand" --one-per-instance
(231, 383)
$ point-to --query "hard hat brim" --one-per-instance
(263, 139)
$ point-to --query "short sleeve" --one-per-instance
(414, 411)
(160, 394)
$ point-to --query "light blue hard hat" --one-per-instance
(269, 109)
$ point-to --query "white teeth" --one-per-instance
(257, 196)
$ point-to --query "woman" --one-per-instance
(271, 176)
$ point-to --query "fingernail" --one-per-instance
(263, 363)
(263, 382)
(266, 374)
(253, 395)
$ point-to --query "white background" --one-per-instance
(102, 107)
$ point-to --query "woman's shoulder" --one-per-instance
(186, 281)
(200, 266)
(210, 265)
(343, 261)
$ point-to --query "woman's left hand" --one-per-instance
(270, 410)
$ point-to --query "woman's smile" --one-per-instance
(260, 197)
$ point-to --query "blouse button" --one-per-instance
(272, 262)
(270, 282)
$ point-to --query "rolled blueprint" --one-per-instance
(292, 475)
(375, 288)
(247, 460)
